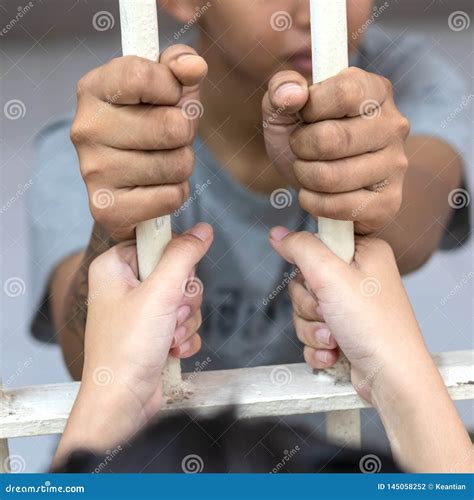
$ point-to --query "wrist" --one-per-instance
(402, 371)
(111, 412)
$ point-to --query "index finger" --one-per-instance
(132, 80)
(353, 92)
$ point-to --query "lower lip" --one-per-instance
(302, 64)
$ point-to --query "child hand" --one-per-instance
(130, 325)
(340, 143)
(362, 307)
(134, 128)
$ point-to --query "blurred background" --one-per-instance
(41, 59)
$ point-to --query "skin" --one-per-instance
(374, 330)
(401, 181)
(130, 331)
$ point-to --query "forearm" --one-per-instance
(89, 426)
(425, 431)
(434, 171)
(69, 287)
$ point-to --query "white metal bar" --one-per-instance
(331, 56)
(254, 392)
(140, 37)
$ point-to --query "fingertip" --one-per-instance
(202, 231)
(288, 91)
(186, 64)
(320, 359)
(279, 233)
(325, 358)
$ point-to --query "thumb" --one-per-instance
(287, 95)
(178, 260)
(318, 264)
(190, 69)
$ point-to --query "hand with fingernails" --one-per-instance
(340, 143)
(361, 307)
(133, 135)
(133, 326)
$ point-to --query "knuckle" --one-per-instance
(307, 202)
(176, 197)
(138, 73)
(404, 126)
(349, 90)
(387, 84)
(90, 171)
(396, 201)
(334, 138)
(393, 201)
(185, 163)
(84, 84)
(80, 132)
(326, 176)
(101, 216)
(402, 162)
(177, 131)
(302, 173)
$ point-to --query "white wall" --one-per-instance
(40, 61)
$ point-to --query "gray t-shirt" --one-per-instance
(247, 313)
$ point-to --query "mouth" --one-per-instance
(302, 62)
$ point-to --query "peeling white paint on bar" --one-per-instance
(39, 410)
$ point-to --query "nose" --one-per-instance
(301, 17)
